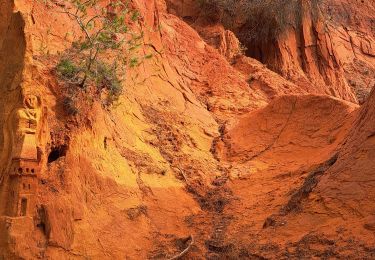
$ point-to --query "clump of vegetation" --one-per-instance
(67, 69)
(104, 50)
(262, 17)
(258, 19)
(260, 23)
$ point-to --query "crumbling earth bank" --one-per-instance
(208, 154)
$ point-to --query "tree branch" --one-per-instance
(184, 252)
(79, 21)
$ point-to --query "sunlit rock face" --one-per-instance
(327, 47)
(220, 146)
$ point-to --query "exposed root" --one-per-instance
(186, 250)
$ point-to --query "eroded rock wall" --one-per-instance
(324, 47)
(171, 164)
(117, 175)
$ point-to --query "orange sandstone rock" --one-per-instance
(208, 153)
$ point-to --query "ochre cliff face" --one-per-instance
(335, 54)
(208, 152)
(326, 47)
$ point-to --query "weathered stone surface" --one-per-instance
(327, 50)
(207, 150)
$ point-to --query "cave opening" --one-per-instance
(57, 152)
(23, 206)
(42, 218)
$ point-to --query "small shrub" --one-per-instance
(260, 23)
(106, 78)
(66, 68)
(258, 19)
(105, 49)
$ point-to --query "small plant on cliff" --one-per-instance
(258, 19)
(105, 49)
(67, 69)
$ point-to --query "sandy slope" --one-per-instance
(204, 144)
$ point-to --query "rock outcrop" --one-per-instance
(325, 205)
(208, 153)
(325, 47)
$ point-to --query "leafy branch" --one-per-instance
(106, 48)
